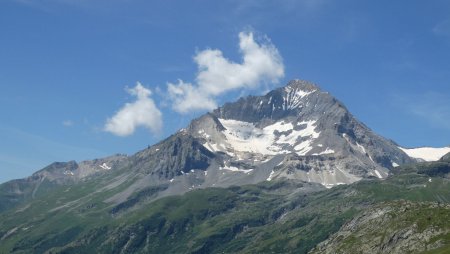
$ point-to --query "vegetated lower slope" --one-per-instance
(394, 227)
(270, 217)
(439, 168)
(401, 226)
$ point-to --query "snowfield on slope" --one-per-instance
(426, 153)
(245, 137)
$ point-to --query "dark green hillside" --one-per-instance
(271, 217)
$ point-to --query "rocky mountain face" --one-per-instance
(294, 132)
(56, 174)
(309, 134)
(446, 157)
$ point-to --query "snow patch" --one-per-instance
(67, 172)
(327, 151)
(344, 135)
(303, 148)
(246, 137)
(293, 97)
(309, 131)
(270, 176)
(203, 133)
(426, 153)
(104, 166)
(378, 174)
(235, 169)
(363, 150)
(331, 185)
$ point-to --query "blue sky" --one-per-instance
(65, 66)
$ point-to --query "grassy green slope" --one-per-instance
(393, 227)
(271, 217)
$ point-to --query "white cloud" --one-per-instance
(187, 97)
(67, 123)
(261, 64)
(142, 112)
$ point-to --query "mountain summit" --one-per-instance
(298, 132)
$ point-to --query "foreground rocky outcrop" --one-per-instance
(393, 227)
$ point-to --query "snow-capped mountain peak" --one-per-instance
(295, 91)
(308, 134)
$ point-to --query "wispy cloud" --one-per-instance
(273, 12)
(302, 6)
(68, 123)
(217, 75)
(442, 28)
(432, 107)
(141, 113)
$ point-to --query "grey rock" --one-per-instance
(446, 158)
(340, 144)
(390, 228)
